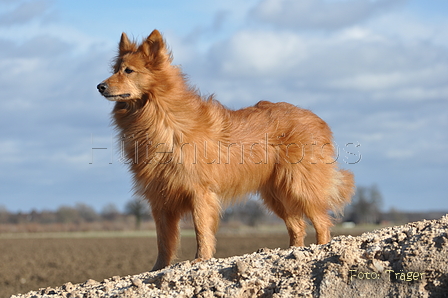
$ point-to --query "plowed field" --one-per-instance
(30, 264)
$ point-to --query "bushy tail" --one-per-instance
(344, 190)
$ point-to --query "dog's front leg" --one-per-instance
(205, 213)
(167, 226)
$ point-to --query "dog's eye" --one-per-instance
(128, 70)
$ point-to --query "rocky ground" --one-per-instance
(402, 261)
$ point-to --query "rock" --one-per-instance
(137, 282)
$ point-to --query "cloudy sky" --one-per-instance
(376, 71)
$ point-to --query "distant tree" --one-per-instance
(16, 218)
(366, 205)
(46, 217)
(66, 214)
(396, 216)
(4, 215)
(86, 213)
(254, 212)
(251, 213)
(110, 212)
(139, 208)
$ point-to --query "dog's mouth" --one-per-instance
(118, 97)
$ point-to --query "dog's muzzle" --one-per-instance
(102, 87)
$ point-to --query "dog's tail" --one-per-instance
(343, 189)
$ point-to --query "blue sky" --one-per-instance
(376, 71)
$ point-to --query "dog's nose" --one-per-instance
(102, 87)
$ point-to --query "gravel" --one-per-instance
(401, 261)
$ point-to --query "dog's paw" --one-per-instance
(197, 260)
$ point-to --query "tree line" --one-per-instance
(365, 208)
(80, 213)
(250, 213)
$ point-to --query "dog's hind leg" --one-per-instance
(294, 222)
(296, 229)
(167, 226)
(205, 211)
(322, 224)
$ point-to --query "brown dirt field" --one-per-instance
(30, 264)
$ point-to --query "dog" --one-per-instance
(189, 153)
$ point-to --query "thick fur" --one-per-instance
(191, 154)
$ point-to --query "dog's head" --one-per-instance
(136, 68)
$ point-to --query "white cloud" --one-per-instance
(23, 12)
(259, 53)
(319, 14)
(356, 60)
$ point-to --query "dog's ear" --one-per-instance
(126, 45)
(154, 46)
(155, 39)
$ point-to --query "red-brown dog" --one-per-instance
(189, 154)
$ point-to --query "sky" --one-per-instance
(375, 71)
